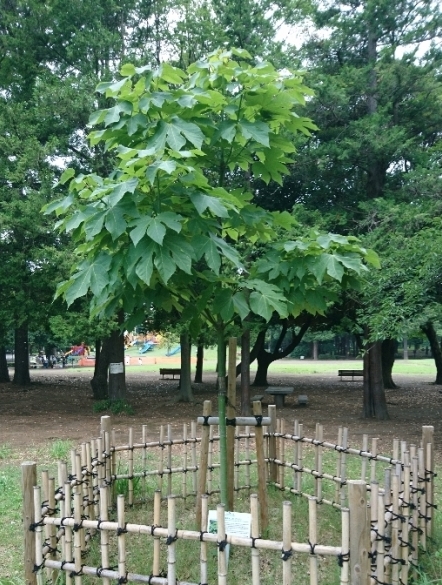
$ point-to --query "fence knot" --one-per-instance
(231, 422)
(35, 525)
(343, 558)
(254, 540)
(202, 533)
(286, 554)
(122, 580)
(122, 530)
(258, 419)
(222, 544)
(312, 548)
(171, 539)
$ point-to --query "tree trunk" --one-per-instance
(4, 372)
(265, 358)
(316, 350)
(245, 373)
(389, 348)
(199, 363)
(430, 332)
(375, 403)
(405, 349)
(21, 372)
(100, 389)
(117, 376)
(185, 393)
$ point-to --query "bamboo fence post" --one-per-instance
(415, 513)
(318, 461)
(343, 493)
(113, 465)
(100, 463)
(422, 499)
(380, 541)
(169, 460)
(300, 458)
(45, 503)
(428, 446)
(144, 458)
(286, 543)
(374, 517)
(313, 537)
(104, 535)
(364, 459)
(38, 535)
(395, 522)
(295, 454)
(203, 546)
(207, 410)
(52, 539)
(161, 462)
(156, 539)
(90, 487)
(184, 483)
(338, 466)
(262, 481)
(77, 538)
(281, 452)
(194, 458)
(254, 511)
(237, 482)
(62, 473)
(345, 545)
(68, 557)
(272, 443)
(359, 533)
(130, 481)
(78, 490)
(249, 462)
(405, 525)
(210, 460)
(106, 428)
(171, 538)
(121, 538)
(28, 482)
(374, 452)
(222, 556)
(230, 416)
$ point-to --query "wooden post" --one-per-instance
(428, 447)
(104, 535)
(345, 545)
(254, 504)
(313, 537)
(286, 543)
(272, 443)
(121, 539)
(203, 548)
(230, 429)
(359, 533)
(222, 553)
(262, 481)
(207, 410)
(29, 481)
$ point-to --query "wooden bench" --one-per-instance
(279, 393)
(302, 400)
(352, 373)
(170, 372)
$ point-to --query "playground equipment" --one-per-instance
(174, 351)
(148, 346)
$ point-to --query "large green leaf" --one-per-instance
(223, 304)
(334, 267)
(166, 165)
(144, 269)
(156, 230)
(258, 131)
(190, 130)
(164, 263)
(91, 275)
(115, 222)
(174, 137)
(182, 252)
(241, 305)
(140, 229)
(203, 202)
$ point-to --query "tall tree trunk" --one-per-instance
(21, 372)
(405, 349)
(245, 373)
(316, 350)
(185, 393)
(430, 332)
(265, 358)
(374, 402)
(389, 348)
(117, 375)
(199, 363)
(4, 372)
(99, 383)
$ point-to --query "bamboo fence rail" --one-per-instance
(386, 509)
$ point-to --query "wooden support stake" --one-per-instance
(422, 499)
(130, 481)
(364, 459)
(300, 458)
(144, 458)
(359, 533)
(415, 513)
(51, 538)
(338, 466)
(230, 429)
(78, 538)
(428, 446)
(374, 452)
(121, 538)
(295, 455)
(210, 460)
(318, 461)
(169, 460)
(262, 480)
(38, 533)
(345, 545)
(156, 539)
(68, 555)
(205, 434)
(194, 458)
(343, 494)
(380, 556)
(286, 543)
(171, 537)
(203, 547)
(281, 452)
(394, 549)
(184, 482)
(222, 555)
(28, 482)
(405, 511)
(247, 448)
(104, 535)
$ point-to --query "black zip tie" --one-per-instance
(343, 558)
(312, 548)
(231, 422)
(171, 539)
(430, 505)
(405, 544)
(77, 526)
(35, 525)
(394, 561)
(77, 573)
(202, 533)
(258, 419)
(222, 545)
(206, 421)
(380, 537)
(254, 540)
(378, 580)
(400, 517)
(286, 554)
(122, 580)
(429, 472)
(121, 531)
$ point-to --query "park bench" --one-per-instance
(352, 373)
(170, 372)
(279, 393)
(302, 400)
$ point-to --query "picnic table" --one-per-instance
(279, 393)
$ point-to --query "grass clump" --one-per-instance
(5, 451)
(113, 406)
(60, 449)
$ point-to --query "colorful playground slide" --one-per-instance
(174, 351)
(146, 347)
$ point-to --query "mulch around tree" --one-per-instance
(59, 405)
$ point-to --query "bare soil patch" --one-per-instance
(59, 405)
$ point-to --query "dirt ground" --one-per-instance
(59, 405)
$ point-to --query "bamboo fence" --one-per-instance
(385, 511)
